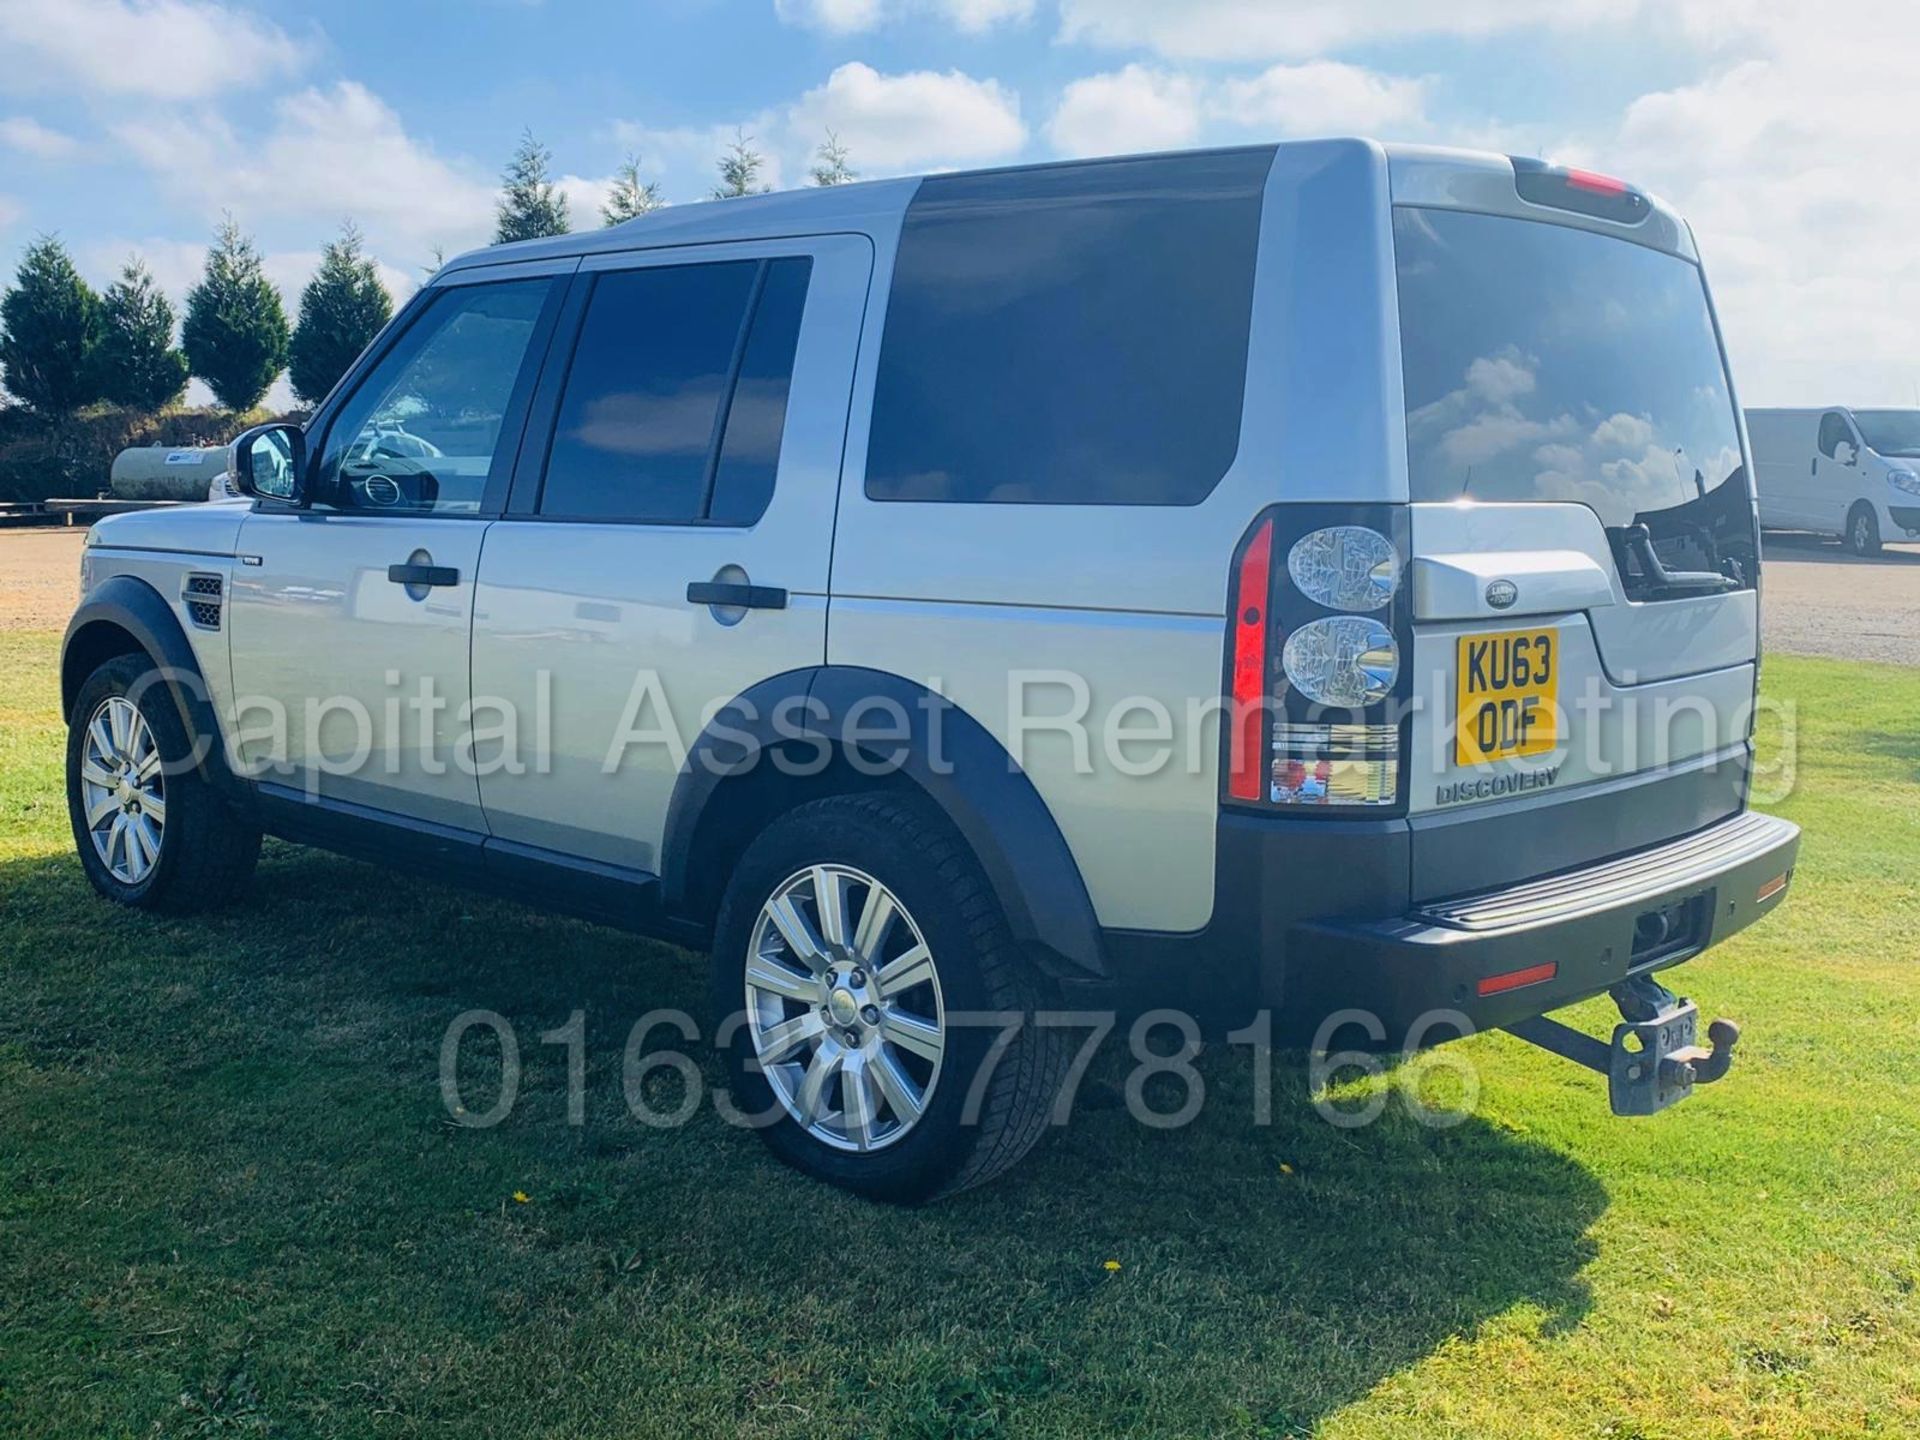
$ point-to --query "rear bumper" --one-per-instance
(1508, 954)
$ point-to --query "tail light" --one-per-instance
(1319, 661)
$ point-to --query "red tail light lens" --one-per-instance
(1247, 757)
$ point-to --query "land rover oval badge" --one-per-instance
(1502, 593)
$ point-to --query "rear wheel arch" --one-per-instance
(740, 775)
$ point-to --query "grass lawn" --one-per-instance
(233, 1202)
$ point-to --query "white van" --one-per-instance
(1851, 473)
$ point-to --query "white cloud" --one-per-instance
(1324, 97)
(328, 153)
(160, 49)
(10, 211)
(1129, 110)
(585, 196)
(1266, 29)
(838, 17)
(919, 119)
(30, 137)
(1788, 159)
(850, 17)
(974, 16)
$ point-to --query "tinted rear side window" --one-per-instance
(677, 394)
(750, 449)
(1074, 335)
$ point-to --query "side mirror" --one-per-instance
(1848, 452)
(270, 463)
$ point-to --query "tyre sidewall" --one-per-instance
(1863, 531)
(938, 1147)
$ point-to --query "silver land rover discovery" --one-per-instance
(1315, 579)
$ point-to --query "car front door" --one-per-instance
(1836, 474)
(687, 432)
(351, 616)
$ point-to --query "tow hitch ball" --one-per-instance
(1655, 1059)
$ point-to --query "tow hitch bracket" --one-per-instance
(1654, 1060)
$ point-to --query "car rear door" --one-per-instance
(1584, 542)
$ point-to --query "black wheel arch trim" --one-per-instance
(132, 606)
(941, 749)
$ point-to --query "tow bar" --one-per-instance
(1653, 1061)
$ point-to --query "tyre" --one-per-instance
(151, 832)
(855, 932)
(1863, 530)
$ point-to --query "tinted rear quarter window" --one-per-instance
(1070, 335)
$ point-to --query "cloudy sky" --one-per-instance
(1783, 129)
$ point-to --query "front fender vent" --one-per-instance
(203, 595)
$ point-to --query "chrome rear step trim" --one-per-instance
(1652, 874)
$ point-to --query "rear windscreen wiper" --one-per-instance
(1639, 542)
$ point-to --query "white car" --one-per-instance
(1317, 579)
(1851, 473)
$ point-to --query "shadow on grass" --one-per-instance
(243, 1110)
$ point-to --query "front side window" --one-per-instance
(1833, 434)
(677, 394)
(422, 432)
(1069, 335)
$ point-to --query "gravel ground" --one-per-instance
(1815, 599)
(1818, 600)
(39, 577)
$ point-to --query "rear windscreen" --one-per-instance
(1548, 363)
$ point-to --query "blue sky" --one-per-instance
(1777, 126)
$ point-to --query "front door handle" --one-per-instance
(745, 597)
(411, 574)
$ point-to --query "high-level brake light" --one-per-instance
(1598, 184)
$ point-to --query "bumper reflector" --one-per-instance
(1516, 979)
(1772, 888)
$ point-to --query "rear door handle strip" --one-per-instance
(746, 597)
(423, 575)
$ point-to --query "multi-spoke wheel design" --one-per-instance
(122, 790)
(844, 1007)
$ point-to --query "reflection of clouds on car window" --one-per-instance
(1547, 363)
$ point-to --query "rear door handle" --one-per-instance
(745, 597)
(423, 574)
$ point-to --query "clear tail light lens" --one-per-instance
(1348, 661)
(1345, 567)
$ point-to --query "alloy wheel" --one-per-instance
(844, 1007)
(122, 790)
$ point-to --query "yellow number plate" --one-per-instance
(1506, 695)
